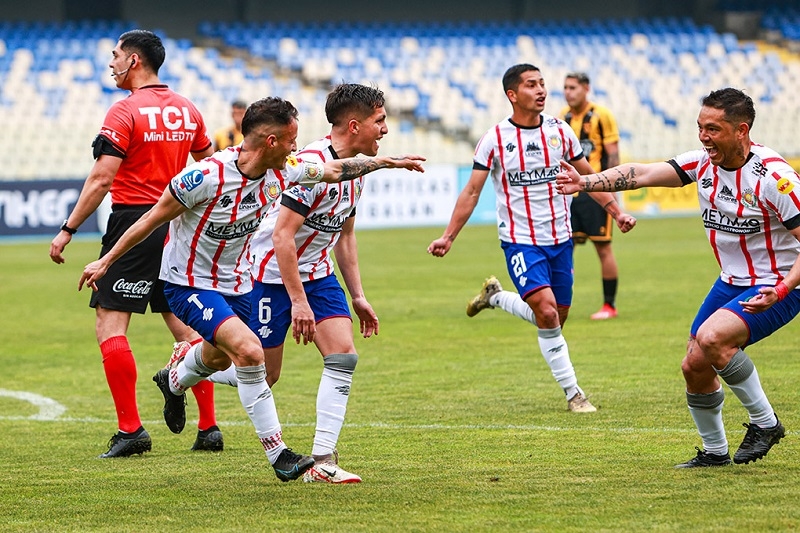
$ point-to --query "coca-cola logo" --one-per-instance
(138, 288)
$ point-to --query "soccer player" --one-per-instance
(145, 140)
(751, 211)
(521, 154)
(295, 283)
(215, 207)
(295, 276)
(597, 131)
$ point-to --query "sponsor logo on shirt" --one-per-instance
(785, 186)
(234, 230)
(191, 179)
(111, 134)
(532, 148)
(726, 195)
(510, 147)
(249, 202)
(716, 220)
(324, 223)
(534, 176)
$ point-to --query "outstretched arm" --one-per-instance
(465, 205)
(623, 177)
(607, 200)
(165, 210)
(353, 167)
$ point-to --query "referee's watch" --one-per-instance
(64, 227)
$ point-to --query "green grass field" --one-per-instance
(455, 424)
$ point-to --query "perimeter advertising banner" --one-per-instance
(392, 198)
(395, 198)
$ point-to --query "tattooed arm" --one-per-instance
(620, 178)
(354, 167)
(607, 200)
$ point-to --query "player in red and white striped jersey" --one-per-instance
(750, 205)
(214, 207)
(294, 271)
(522, 155)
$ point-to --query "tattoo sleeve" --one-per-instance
(610, 180)
(355, 168)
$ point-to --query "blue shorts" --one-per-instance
(535, 267)
(725, 296)
(271, 313)
(204, 310)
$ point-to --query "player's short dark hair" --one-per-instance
(738, 106)
(239, 104)
(580, 77)
(272, 110)
(347, 99)
(513, 76)
(145, 43)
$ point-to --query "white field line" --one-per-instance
(52, 411)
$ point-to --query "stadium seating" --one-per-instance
(442, 80)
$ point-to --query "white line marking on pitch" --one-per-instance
(49, 409)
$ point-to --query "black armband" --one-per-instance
(102, 146)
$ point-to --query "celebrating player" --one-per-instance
(215, 207)
(751, 211)
(522, 153)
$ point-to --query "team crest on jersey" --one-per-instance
(191, 179)
(749, 198)
(291, 161)
(312, 171)
(357, 189)
(273, 191)
(554, 142)
(785, 186)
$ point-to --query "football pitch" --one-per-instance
(454, 423)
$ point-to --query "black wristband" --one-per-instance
(71, 231)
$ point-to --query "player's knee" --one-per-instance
(342, 362)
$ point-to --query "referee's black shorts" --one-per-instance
(589, 220)
(132, 281)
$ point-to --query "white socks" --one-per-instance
(556, 354)
(512, 303)
(742, 377)
(258, 402)
(332, 396)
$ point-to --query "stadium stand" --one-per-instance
(442, 79)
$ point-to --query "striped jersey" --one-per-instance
(523, 163)
(325, 206)
(747, 213)
(208, 245)
(155, 129)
